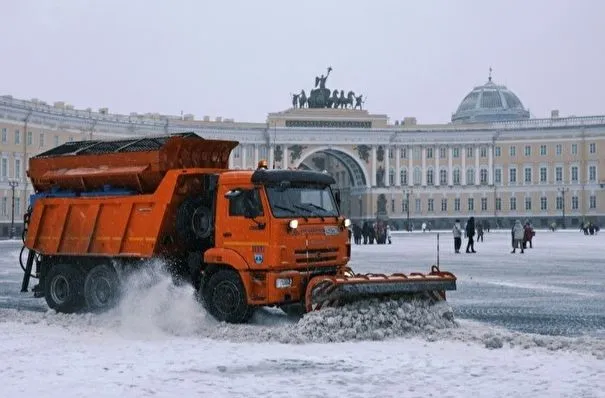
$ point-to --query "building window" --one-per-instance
(527, 150)
(418, 206)
(574, 149)
(404, 206)
(30, 138)
(4, 170)
(471, 204)
(444, 204)
(543, 174)
(592, 173)
(559, 174)
(498, 176)
(513, 204)
(416, 153)
(592, 148)
(403, 152)
(543, 203)
(593, 202)
(512, 175)
(390, 153)
(18, 169)
(498, 204)
(391, 177)
(392, 205)
(17, 206)
(4, 135)
(431, 205)
(456, 152)
(542, 150)
(456, 176)
(575, 203)
(263, 151)
(442, 177)
(470, 176)
(483, 204)
(513, 150)
(498, 151)
(527, 174)
(17, 137)
(469, 152)
(574, 173)
(558, 149)
(429, 153)
(429, 177)
(483, 152)
(4, 206)
(417, 176)
(528, 203)
(483, 176)
(41, 140)
(559, 203)
(236, 152)
(404, 177)
(442, 153)
(457, 204)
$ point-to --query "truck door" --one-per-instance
(244, 226)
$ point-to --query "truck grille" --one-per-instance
(314, 256)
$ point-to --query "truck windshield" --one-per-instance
(301, 200)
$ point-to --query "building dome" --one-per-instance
(490, 103)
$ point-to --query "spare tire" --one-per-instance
(193, 220)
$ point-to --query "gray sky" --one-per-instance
(242, 59)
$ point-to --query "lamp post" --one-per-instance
(407, 192)
(563, 190)
(13, 184)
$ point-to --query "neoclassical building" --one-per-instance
(492, 161)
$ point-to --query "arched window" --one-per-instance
(483, 176)
(443, 177)
(470, 176)
(404, 177)
(391, 176)
(417, 176)
(456, 176)
(429, 177)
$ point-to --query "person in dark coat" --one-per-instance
(470, 234)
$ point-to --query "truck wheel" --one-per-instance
(193, 221)
(225, 297)
(101, 288)
(63, 288)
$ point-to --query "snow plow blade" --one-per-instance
(326, 290)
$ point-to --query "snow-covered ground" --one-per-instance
(529, 324)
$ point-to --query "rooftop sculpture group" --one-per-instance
(320, 97)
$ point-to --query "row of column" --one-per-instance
(271, 152)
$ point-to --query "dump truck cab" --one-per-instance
(277, 229)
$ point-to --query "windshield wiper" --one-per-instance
(285, 208)
(301, 206)
(321, 208)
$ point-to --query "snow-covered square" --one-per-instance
(530, 324)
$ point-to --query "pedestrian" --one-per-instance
(389, 234)
(528, 234)
(423, 227)
(517, 233)
(457, 232)
(479, 231)
(470, 234)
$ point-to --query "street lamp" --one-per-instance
(563, 190)
(407, 192)
(13, 184)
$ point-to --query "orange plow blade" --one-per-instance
(327, 290)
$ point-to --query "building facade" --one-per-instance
(492, 161)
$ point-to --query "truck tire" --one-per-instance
(193, 221)
(224, 296)
(63, 288)
(101, 288)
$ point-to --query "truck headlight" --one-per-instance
(347, 223)
(283, 283)
(293, 224)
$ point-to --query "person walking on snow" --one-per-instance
(470, 234)
(517, 232)
(457, 232)
(389, 234)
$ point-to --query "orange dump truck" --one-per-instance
(243, 238)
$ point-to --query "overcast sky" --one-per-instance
(242, 59)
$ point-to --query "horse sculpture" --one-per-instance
(302, 99)
(358, 102)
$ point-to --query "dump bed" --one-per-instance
(137, 164)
